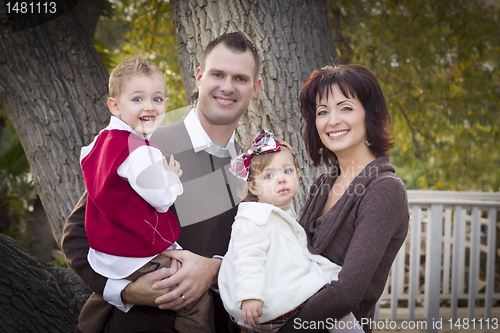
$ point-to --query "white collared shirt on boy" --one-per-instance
(200, 142)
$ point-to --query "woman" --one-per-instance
(356, 214)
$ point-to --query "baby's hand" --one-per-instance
(251, 310)
(173, 166)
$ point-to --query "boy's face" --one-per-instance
(226, 85)
(142, 102)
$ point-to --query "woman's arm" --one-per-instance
(380, 229)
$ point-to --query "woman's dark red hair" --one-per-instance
(354, 81)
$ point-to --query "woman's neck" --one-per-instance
(351, 165)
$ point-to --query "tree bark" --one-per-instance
(53, 88)
(293, 38)
(35, 296)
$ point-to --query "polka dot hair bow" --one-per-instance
(264, 142)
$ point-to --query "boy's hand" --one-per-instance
(173, 166)
(251, 310)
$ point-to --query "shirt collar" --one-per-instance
(201, 141)
(116, 123)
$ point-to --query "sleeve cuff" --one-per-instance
(112, 294)
(215, 287)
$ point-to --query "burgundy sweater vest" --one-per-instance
(117, 220)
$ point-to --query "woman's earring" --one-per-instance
(320, 151)
(368, 144)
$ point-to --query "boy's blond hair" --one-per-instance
(128, 68)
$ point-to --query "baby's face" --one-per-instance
(277, 184)
(142, 103)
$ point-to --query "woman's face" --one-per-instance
(340, 122)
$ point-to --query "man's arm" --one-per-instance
(75, 246)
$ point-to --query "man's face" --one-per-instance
(226, 85)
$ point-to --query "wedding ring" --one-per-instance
(183, 297)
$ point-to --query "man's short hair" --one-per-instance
(236, 42)
(128, 68)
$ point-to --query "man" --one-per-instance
(203, 143)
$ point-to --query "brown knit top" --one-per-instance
(362, 232)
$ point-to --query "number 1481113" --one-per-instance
(39, 7)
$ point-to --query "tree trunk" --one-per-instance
(293, 38)
(53, 88)
(35, 296)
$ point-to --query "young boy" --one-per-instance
(131, 187)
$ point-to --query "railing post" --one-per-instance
(414, 259)
(474, 259)
(394, 286)
(490, 261)
(433, 266)
(455, 281)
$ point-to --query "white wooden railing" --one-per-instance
(451, 240)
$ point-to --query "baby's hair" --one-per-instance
(259, 163)
(128, 68)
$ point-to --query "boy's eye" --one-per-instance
(158, 99)
(137, 99)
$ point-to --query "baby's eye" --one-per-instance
(137, 99)
(158, 99)
(287, 171)
(268, 176)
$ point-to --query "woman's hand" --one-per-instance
(251, 310)
(193, 279)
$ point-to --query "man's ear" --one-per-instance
(252, 189)
(113, 107)
(199, 74)
(256, 87)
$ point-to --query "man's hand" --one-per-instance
(193, 279)
(140, 292)
(251, 310)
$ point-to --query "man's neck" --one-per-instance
(218, 133)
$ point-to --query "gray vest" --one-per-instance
(207, 208)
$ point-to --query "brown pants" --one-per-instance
(98, 315)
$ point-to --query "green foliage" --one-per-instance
(142, 27)
(438, 64)
(17, 192)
